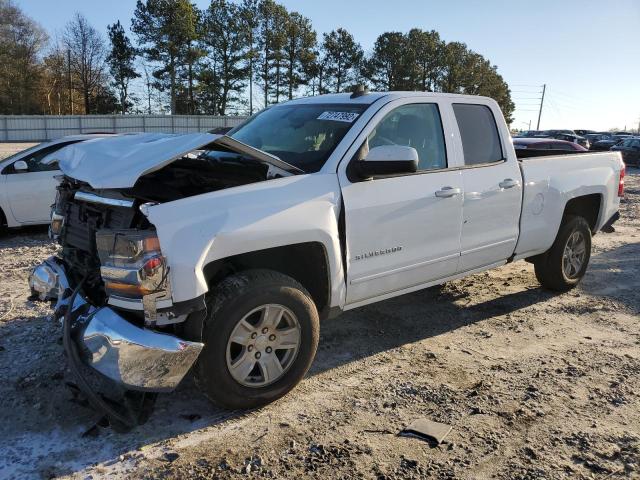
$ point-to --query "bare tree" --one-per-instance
(87, 53)
(21, 43)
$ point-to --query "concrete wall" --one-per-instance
(34, 128)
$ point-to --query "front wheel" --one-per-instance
(562, 267)
(261, 335)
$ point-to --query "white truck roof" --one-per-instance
(370, 97)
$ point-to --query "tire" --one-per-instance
(3, 223)
(230, 310)
(557, 272)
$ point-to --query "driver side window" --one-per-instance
(415, 125)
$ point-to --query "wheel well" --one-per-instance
(587, 206)
(305, 262)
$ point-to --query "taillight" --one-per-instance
(621, 183)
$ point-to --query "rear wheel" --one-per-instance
(562, 267)
(261, 335)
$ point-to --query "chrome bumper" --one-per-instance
(137, 358)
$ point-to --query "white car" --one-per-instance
(27, 183)
(224, 252)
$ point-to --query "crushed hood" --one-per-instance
(118, 162)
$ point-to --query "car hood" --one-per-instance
(119, 162)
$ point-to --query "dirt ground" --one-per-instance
(534, 384)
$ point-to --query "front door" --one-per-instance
(399, 233)
(31, 193)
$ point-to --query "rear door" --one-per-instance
(492, 187)
(399, 234)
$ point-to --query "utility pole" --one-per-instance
(544, 87)
(69, 80)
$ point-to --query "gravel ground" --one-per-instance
(535, 385)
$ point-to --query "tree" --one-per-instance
(453, 73)
(390, 67)
(87, 57)
(271, 40)
(249, 15)
(225, 37)
(165, 31)
(342, 59)
(21, 43)
(426, 51)
(299, 51)
(121, 63)
(421, 61)
(56, 84)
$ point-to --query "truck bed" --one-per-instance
(551, 181)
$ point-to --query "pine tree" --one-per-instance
(166, 30)
(299, 51)
(342, 59)
(226, 42)
(121, 63)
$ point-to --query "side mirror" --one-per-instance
(388, 160)
(21, 166)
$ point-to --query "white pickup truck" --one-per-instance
(224, 252)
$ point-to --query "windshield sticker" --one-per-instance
(348, 117)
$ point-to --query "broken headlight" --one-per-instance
(132, 264)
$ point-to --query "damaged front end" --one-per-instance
(112, 284)
(123, 321)
(135, 357)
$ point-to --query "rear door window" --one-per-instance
(479, 134)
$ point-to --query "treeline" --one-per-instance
(231, 58)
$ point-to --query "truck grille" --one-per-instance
(78, 238)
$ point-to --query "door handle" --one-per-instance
(508, 183)
(446, 192)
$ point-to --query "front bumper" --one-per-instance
(137, 358)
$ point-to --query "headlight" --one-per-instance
(55, 227)
(131, 262)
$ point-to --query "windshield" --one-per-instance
(301, 135)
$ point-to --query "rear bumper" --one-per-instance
(137, 358)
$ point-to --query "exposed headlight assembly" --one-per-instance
(132, 264)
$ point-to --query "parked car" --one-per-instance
(584, 133)
(547, 144)
(552, 133)
(224, 252)
(568, 137)
(528, 133)
(27, 184)
(630, 149)
(596, 137)
(606, 144)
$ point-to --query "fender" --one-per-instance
(196, 231)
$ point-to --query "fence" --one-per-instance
(35, 128)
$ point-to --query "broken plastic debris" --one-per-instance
(426, 429)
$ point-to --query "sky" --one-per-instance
(587, 52)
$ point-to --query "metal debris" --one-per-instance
(425, 429)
